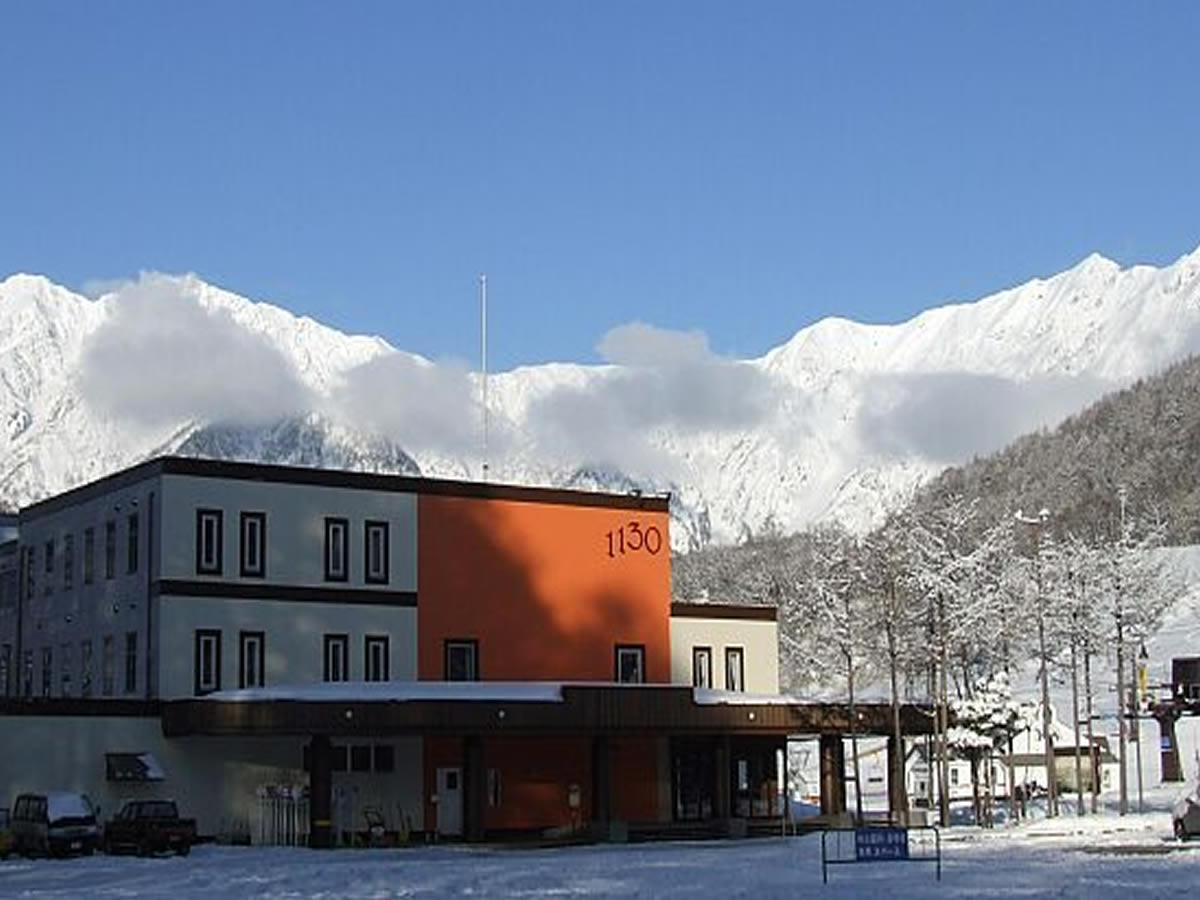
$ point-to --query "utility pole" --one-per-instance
(1122, 776)
(1039, 525)
(483, 368)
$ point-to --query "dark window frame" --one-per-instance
(217, 566)
(377, 640)
(360, 757)
(697, 653)
(383, 758)
(68, 558)
(245, 641)
(460, 643)
(110, 549)
(132, 539)
(89, 555)
(199, 640)
(131, 660)
(640, 650)
(368, 526)
(740, 653)
(246, 570)
(332, 522)
(342, 640)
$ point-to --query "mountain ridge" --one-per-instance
(843, 420)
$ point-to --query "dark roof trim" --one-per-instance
(724, 611)
(603, 709)
(81, 706)
(366, 481)
(240, 590)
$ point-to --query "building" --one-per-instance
(285, 651)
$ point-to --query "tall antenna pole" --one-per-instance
(484, 367)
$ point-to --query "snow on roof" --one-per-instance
(713, 697)
(400, 692)
(480, 691)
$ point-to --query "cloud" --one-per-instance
(423, 406)
(950, 417)
(162, 358)
(95, 288)
(660, 379)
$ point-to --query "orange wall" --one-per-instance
(537, 772)
(535, 585)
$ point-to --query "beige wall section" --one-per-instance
(216, 780)
(295, 529)
(294, 638)
(759, 641)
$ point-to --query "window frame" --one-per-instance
(698, 653)
(639, 653)
(131, 662)
(252, 644)
(68, 558)
(333, 523)
(342, 641)
(449, 645)
(132, 539)
(738, 653)
(210, 563)
(108, 665)
(246, 545)
(373, 642)
(110, 549)
(377, 574)
(203, 637)
(89, 555)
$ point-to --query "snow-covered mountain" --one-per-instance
(841, 421)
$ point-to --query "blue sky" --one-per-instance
(739, 168)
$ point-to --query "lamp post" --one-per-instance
(1039, 525)
(1119, 615)
(1135, 693)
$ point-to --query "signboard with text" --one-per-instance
(880, 843)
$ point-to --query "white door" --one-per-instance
(449, 805)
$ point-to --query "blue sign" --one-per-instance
(880, 843)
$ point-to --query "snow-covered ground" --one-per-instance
(1090, 857)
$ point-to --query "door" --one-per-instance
(449, 801)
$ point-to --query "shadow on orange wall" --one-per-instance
(548, 591)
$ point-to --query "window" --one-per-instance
(89, 555)
(340, 756)
(375, 657)
(337, 555)
(27, 673)
(360, 758)
(385, 758)
(254, 544)
(47, 670)
(110, 548)
(734, 670)
(64, 664)
(5, 667)
(107, 665)
(131, 549)
(209, 542)
(495, 788)
(85, 669)
(953, 775)
(462, 660)
(130, 662)
(630, 664)
(337, 657)
(49, 566)
(375, 561)
(251, 656)
(69, 561)
(207, 668)
(30, 572)
(702, 666)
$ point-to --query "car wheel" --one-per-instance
(1180, 830)
(184, 849)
